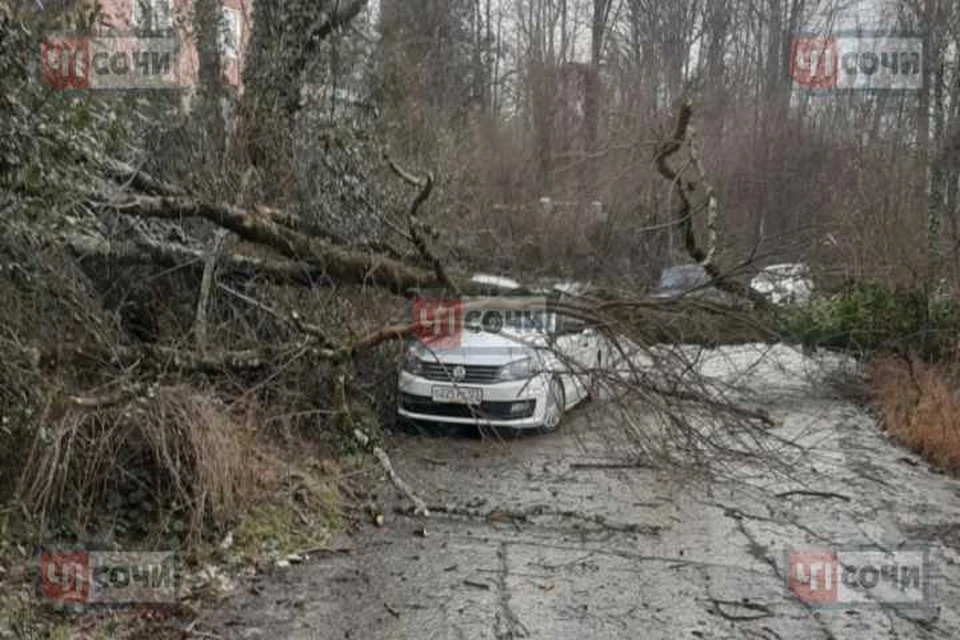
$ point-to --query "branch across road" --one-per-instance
(527, 542)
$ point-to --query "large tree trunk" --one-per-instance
(591, 98)
(286, 36)
(717, 25)
(207, 17)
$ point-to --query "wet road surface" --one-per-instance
(556, 537)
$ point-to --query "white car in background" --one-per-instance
(787, 283)
(523, 373)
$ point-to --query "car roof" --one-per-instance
(496, 281)
(786, 267)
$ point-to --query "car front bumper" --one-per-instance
(415, 402)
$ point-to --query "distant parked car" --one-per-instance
(680, 279)
(689, 280)
(495, 282)
(787, 283)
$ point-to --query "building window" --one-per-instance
(152, 15)
(230, 33)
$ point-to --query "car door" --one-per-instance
(576, 349)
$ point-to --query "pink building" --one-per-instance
(176, 16)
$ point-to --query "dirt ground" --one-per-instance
(559, 537)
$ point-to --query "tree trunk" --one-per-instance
(207, 18)
(591, 99)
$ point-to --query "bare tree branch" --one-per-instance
(172, 255)
(416, 225)
(681, 188)
(206, 286)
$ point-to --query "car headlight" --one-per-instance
(517, 370)
(412, 363)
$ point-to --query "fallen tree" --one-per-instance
(263, 243)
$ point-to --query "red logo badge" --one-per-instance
(814, 61)
(65, 62)
(65, 576)
(813, 576)
(437, 323)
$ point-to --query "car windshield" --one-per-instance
(682, 277)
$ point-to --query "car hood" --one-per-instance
(484, 348)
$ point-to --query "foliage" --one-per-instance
(870, 317)
(47, 137)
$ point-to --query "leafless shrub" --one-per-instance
(919, 406)
(146, 452)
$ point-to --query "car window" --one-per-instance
(568, 324)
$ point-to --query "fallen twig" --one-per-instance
(477, 585)
(610, 465)
(813, 494)
(757, 610)
(524, 515)
(125, 393)
(420, 507)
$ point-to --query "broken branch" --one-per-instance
(683, 216)
(416, 225)
(340, 263)
(419, 506)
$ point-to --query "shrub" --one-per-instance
(919, 406)
(177, 454)
(869, 317)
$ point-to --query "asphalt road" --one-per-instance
(554, 537)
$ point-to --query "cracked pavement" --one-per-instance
(553, 537)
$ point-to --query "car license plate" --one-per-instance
(457, 395)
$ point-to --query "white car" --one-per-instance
(787, 283)
(525, 372)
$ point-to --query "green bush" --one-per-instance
(870, 317)
(49, 139)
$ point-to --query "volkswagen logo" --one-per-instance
(459, 372)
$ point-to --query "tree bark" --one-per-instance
(684, 212)
(200, 332)
(207, 22)
(343, 264)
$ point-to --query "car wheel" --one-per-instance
(555, 403)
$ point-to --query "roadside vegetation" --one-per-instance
(909, 341)
(919, 405)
